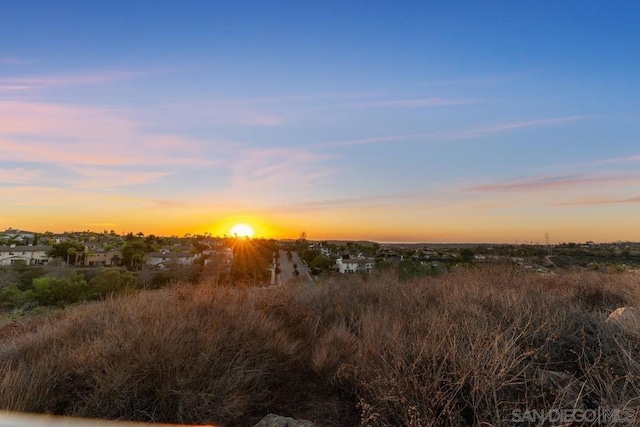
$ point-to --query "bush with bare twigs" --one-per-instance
(463, 348)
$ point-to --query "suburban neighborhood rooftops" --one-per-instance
(25, 248)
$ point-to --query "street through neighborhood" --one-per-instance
(287, 269)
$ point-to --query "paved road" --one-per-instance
(286, 269)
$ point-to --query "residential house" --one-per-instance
(355, 265)
(165, 259)
(31, 255)
(95, 256)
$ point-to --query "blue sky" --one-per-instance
(366, 120)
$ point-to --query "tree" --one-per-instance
(467, 255)
(71, 252)
(301, 243)
(133, 253)
(321, 263)
(111, 282)
(62, 250)
(308, 255)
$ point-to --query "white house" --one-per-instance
(31, 255)
(355, 265)
(164, 258)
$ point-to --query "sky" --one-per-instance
(409, 121)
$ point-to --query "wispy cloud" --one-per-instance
(348, 202)
(68, 135)
(598, 201)
(279, 167)
(91, 148)
(295, 98)
(414, 103)
(632, 158)
(51, 81)
(255, 111)
(461, 135)
(624, 159)
(491, 130)
(149, 203)
(378, 140)
(13, 88)
(97, 177)
(10, 60)
(486, 80)
(19, 175)
(538, 183)
(211, 114)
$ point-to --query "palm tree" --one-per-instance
(71, 251)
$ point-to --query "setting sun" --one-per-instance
(242, 230)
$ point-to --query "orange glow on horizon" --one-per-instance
(484, 227)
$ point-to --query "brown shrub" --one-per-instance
(460, 349)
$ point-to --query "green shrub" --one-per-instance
(111, 282)
(60, 291)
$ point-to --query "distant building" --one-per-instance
(31, 255)
(355, 265)
(19, 235)
(99, 257)
(165, 259)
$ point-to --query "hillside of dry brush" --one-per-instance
(464, 348)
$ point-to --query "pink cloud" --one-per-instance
(268, 175)
(60, 120)
(598, 201)
(539, 183)
(211, 114)
(43, 82)
(91, 136)
(353, 202)
(13, 88)
(275, 164)
(57, 198)
(94, 177)
(19, 175)
(632, 158)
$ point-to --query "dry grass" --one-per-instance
(462, 349)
